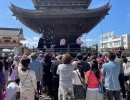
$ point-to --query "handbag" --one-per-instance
(81, 81)
(84, 87)
(100, 87)
(17, 97)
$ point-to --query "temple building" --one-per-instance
(10, 38)
(61, 19)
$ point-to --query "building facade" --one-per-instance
(110, 40)
(10, 38)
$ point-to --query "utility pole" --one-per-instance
(102, 36)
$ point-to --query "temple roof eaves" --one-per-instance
(19, 10)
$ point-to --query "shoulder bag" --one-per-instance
(81, 81)
(17, 95)
(80, 89)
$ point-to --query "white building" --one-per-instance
(110, 40)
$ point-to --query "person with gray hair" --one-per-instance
(37, 67)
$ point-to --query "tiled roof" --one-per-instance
(11, 32)
(17, 10)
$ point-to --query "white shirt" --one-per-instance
(28, 85)
(126, 69)
(74, 63)
(11, 90)
(76, 79)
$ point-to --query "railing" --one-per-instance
(59, 50)
(72, 51)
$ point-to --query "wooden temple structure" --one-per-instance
(61, 19)
(10, 38)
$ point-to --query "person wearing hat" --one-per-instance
(55, 77)
(37, 67)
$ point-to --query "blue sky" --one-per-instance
(118, 19)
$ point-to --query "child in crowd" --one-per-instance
(44, 95)
(12, 74)
(12, 89)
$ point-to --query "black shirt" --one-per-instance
(55, 65)
(6, 65)
(47, 67)
(85, 66)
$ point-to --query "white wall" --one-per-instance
(116, 41)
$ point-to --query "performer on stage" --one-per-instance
(63, 44)
(42, 44)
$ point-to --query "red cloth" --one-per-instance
(92, 80)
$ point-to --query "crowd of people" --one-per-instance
(46, 76)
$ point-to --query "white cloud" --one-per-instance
(89, 40)
(36, 38)
(30, 42)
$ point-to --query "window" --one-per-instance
(124, 43)
(14, 41)
(124, 38)
(117, 43)
(104, 45)
(7, 40)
